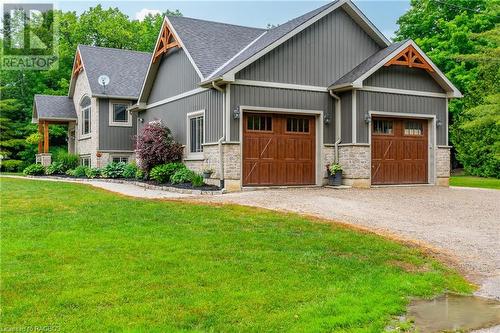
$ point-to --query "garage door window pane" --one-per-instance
(259, 123)
(413, 127)
(297, 125)
(382, 126)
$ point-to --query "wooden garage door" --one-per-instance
(278, 149)
(399, 151)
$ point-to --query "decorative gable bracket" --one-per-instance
(411, 58)
(78, 66)
(167, 41)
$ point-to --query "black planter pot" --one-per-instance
(335, 179)
(207, 175)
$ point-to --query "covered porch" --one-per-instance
(53, 110)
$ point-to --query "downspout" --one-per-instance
(223, 137)
(337, 125)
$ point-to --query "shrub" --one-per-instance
(93, 173)
(68, 160)
(140, 175)
(155, 145)
(54, 169)
(182, 176)
(70, 172)
(162, 173)
(12, 165)
(80, 171)
(114, 170)
(34, 170)
(130, 170)
(198, 181)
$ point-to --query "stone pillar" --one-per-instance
(44, 159)
(443, 166)
(356, 164)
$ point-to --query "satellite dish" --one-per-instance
(103, 80)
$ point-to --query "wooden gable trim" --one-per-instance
(78, 66)
(167, 41)
(411, 58)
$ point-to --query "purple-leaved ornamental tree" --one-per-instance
(155, 145)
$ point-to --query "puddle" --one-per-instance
(454, 312)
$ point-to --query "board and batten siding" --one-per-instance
(346, 116)
(115, 137)
(317, 56)
(374, 101)
(402, 77)
(285, 99)
(175, 76)
(174, 115)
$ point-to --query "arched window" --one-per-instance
(86, 112)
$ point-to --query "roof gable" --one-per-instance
(276, 36)
(126, 70)
(355, 78)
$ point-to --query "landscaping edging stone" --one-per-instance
(136, 183)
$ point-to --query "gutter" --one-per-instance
(223, 137)
(338, 126)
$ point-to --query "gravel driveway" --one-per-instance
(463, 223)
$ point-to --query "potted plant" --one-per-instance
(207, 173)
(334, 174)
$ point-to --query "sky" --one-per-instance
(383, 13)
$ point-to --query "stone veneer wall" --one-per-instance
(356, 164)
(443, 166)
(211, 160)
(328, 156)
(87, 146)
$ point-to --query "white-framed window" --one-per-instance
(86, 115)
(120, 159)
(195, 134)
(85, 160)
(118, 113)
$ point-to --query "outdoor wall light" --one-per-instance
(236, 113)
(368, 118)
(141, 120)
(439, 123)
(327, 119)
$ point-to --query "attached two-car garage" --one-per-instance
(280, 149)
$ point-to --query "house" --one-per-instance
(274, 107)
(100, 128)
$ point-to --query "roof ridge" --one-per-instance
(210, 21)
(52, 95)
(113, 48)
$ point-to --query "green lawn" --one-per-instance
(83, 259)
(472, 181)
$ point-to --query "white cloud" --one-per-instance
(140, 15)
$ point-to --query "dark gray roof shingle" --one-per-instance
(54, 107)
(211, 44)
(366, 65)
(270, 37)
(126, 69)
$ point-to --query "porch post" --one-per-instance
(40, 132)
(45, 137)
